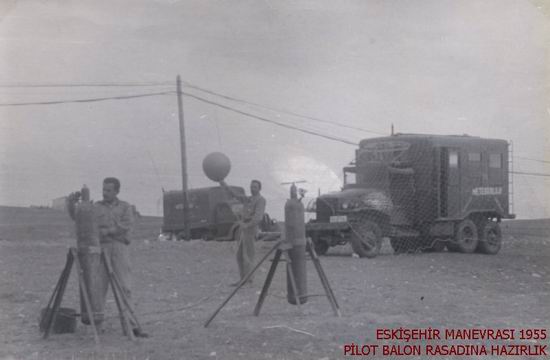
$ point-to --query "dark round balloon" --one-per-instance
(216, 166)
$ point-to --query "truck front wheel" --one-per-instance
(366, 238)
(320, 246)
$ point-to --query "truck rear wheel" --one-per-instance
(491, 238)
(366, 238)
(466, 237)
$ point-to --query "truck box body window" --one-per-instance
(495, 161)
(495, 169)
(474, 169)
(474, 157)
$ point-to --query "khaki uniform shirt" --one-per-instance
(253, 211)
(117, 217)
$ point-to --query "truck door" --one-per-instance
(403, 194)
(449, 185)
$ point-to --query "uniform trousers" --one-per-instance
(246, 249)
(117, 254)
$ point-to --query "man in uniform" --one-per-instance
(115, 219)
(253, 212)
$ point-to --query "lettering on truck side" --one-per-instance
(480, 191)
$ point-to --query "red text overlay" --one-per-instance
(453, 342)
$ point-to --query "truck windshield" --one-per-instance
(349, 178)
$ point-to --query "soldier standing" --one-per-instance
(253, 213)
(115, 219)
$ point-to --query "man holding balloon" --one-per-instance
(253, 212)
(216, 166)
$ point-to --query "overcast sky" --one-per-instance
(428, 66)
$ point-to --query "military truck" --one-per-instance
(423, 192)
(212, 213)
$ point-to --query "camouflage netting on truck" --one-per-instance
(423, 192)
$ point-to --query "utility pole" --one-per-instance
(183, 162)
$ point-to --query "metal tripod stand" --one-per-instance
(281, 250)
(126, 313)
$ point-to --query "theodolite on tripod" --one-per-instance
(292, 247)
(94, 271)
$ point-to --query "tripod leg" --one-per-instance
(59, 295)
(125, 301)
(125, 323)
(242, 283)
(126, 328)
(320, 271)
(267, 282)
(84, 290)
(324, 280)
(44, 322)
(328, 290)
(292, 278)
(317, 262)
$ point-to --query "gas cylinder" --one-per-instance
(89, 256)
(86, 229)
(295, 235)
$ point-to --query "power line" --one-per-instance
(538, 160)
(57, 85)
(529, 173)
(186, 94)
(289, 112)
(270, 121)
(532, 191)
(189, 85)
(56, 102)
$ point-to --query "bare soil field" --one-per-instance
(177, 286)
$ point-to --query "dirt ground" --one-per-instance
(178, 285)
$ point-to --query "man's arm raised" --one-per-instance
(232, 193)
